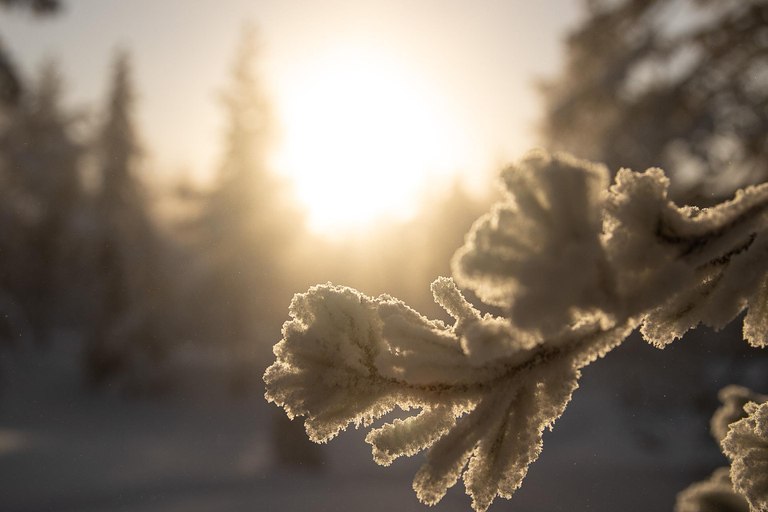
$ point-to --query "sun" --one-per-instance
(362, 137)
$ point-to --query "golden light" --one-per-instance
(362, 137)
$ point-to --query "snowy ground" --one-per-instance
(65, 450)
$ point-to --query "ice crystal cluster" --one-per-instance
(575, 263)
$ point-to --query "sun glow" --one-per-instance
(362, 136)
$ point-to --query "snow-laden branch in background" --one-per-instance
(717, 492)
(575, 266)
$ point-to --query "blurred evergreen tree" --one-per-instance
(247, 226)
(129, 334)
(677, 84)
(10, 84)
(39, 168)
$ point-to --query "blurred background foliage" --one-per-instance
(158, 289)
(676, 84)
(141, 273)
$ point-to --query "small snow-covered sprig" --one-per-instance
(746, 444)
(575, 266)
(717, 492)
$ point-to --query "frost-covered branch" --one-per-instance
(575, 265)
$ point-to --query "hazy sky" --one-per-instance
(474, 61)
